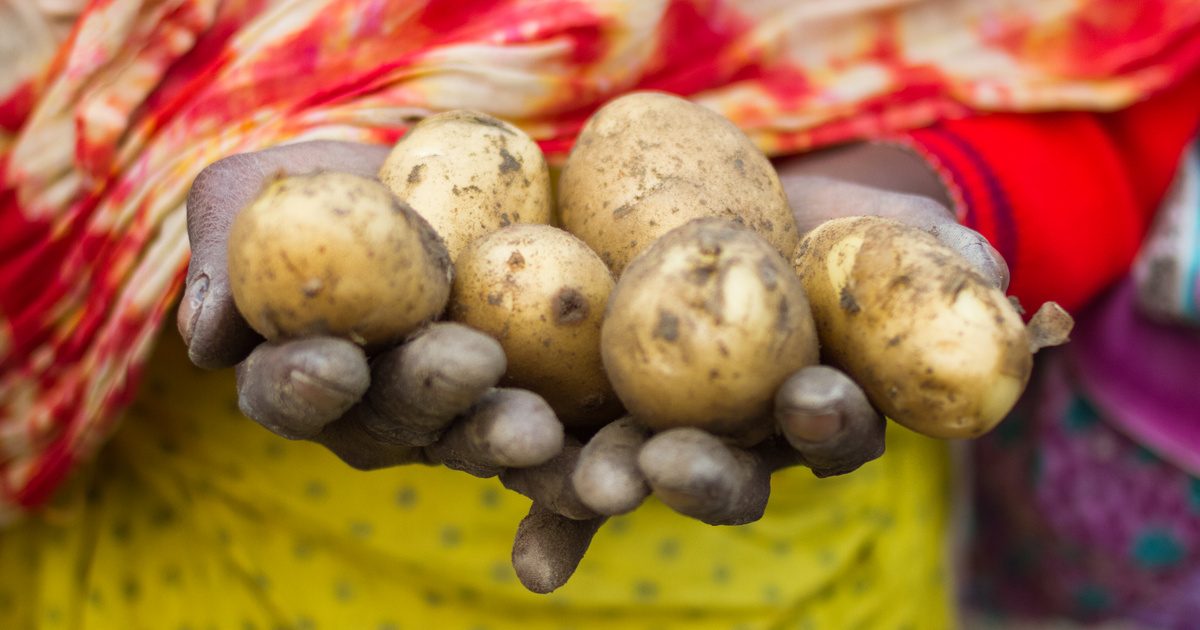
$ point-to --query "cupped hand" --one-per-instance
(431, 399)
(823, 422)
(823, 419)
(434, 399)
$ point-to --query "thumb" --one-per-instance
(215, 333)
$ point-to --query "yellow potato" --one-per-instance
(469, 174)
(335, 254)
(934, 345)
(541, 293)
(649, 162)
(704, 327)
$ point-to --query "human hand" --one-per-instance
(432, 399)
(823, 420)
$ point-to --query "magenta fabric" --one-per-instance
(1144, 375)
(1088, 502)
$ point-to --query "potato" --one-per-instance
(469, 174)
(934, 345)
(541, 293)
(702, 329)
(335, 254)
(648, 162)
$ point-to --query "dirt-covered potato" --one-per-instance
(649, 162)
(541, 293)
(935, 346)
(702, 329)
(335, 254)
(469, 174)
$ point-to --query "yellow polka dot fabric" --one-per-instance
(195, 518)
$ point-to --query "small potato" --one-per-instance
(649, 162)
(935, 346)
(335, 254)
(469, 174)
(541, 293)
(703, 328)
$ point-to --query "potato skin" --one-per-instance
(469, 174)
(335, 254)
(934, 345)
(702, 329)
(541, 293)
(648, 162)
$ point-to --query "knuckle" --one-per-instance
(219, 180)
(214, 176)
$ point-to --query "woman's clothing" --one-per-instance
(1084, 510)
(103, 129)
(1089, 494)
(195, 517)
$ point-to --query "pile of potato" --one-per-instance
(674, 287)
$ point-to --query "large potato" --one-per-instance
(648, 162)
(335, 254)
(469, 174)
(704, 327)
(934, 345)
(541, 293)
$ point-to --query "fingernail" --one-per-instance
(193, 304)
(812, 427)
(325, 399)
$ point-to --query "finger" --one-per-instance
(697, 475)
(881, 166)
(508, 428)
(935, 218)
(827, 419)
(346, 438)
(549, 484)
(420, 387)
(976, 249)
(296, 388)
(216, 335)
(548, 548)
(817, 199)
(607, 478)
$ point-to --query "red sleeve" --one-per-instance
(1065, 197)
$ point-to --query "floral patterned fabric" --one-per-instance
(1089, 495)
(104, 123)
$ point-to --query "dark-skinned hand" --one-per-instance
(434, 400)
(822, 419)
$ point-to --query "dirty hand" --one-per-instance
(432, 399)
(823, 419)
